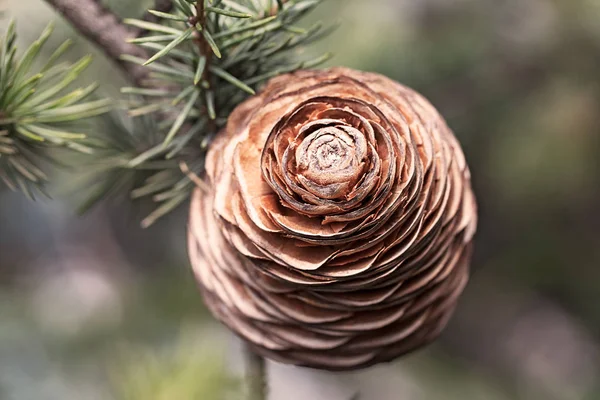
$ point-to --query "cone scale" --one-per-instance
(336, 228)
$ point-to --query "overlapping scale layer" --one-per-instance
(337, 229)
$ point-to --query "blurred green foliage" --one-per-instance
(188, 372)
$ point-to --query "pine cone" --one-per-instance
(336, 231)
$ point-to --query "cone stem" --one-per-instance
(256, 376)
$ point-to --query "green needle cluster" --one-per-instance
(38, 110)
(207, 57)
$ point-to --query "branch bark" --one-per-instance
(105, 29)
(206, 51)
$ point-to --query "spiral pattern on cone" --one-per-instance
(337, 229)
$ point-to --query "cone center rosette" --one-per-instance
(324, 160)
(338, 228)
(328, 162)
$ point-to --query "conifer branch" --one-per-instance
(205, 58)
(203, 45)
(206, 52)
(193, 62)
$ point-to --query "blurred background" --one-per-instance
(97, 308)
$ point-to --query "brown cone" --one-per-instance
(337, 229)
